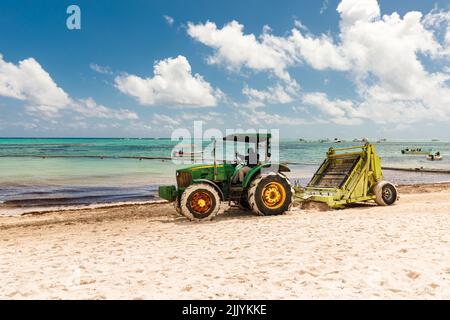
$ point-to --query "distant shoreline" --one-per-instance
(312, 140)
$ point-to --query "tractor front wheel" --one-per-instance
(270, 194)
(200, 202)
(386, 193)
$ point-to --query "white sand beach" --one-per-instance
(147, 252)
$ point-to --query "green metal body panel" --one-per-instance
(363, 171)
(256, 170)
(220, 175)
(168, 193)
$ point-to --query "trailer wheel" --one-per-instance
(200, 202)
(386, 193)
(271, 194)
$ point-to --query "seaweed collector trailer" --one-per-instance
(350, 175)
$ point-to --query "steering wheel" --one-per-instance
(239, 161)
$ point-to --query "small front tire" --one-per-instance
(200, 202)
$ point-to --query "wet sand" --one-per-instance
(148, 252)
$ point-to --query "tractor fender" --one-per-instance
(211, 183)
(282, 167)
(254, 172)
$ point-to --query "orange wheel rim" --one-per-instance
(201, 202)
(273, 195)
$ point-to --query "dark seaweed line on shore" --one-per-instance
(119, 157)
(417, 170)
(92, 157)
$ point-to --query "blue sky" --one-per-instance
(300, 66)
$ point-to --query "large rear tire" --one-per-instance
(271, 194)
(386, 193)
(200, 202)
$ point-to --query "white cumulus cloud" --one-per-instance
(257, 117)
(84, 108)
(381, 54)
(392, 81)
(353, 11)
(235, 50)
(28, 81)
(91, 109)
(277, 94)
(172, 84)
(338, 111)
(268, 52)
(319, 52)
(439, 21)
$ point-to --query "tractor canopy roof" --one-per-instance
(249, 137)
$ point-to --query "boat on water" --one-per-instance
(363, 140)
(181, 154)
(382, 140)
(187, 152)
(434, 156)
(336, 140)
(415, 151)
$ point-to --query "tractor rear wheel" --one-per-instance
(200, 202)
(270, 194)
(386, 193)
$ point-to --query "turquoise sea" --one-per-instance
(44, 173)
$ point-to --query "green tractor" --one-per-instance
(202, 188)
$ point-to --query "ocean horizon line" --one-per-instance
(345, 139)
